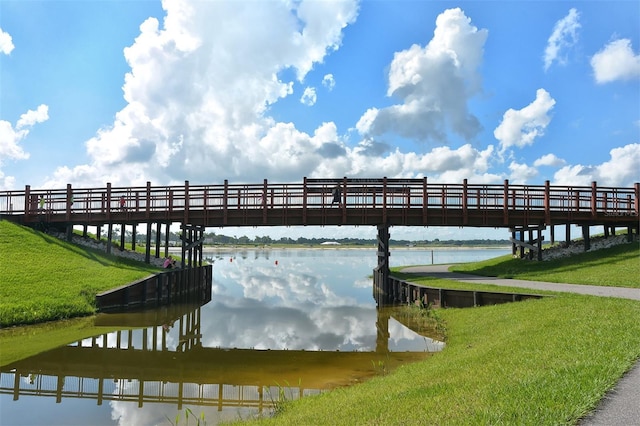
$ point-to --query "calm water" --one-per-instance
(293, 320)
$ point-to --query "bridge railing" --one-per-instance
(384, 193)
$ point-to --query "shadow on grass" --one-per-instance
(95, 255)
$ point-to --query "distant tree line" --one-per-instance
(211, 238)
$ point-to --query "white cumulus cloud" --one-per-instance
(520, 128)
(622, 169)
(6, 42)
(521, 173)
(550, 160)
(616, 61)
(309, 96)
(199, 90)
(11, 138)
(563, 37)
(329, 81)
(434, 83)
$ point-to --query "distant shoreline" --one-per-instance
(342, 247)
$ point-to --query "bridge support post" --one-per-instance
(586, 237)
(109, 236)
(381, 286)
(147, 248)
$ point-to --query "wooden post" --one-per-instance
(225, 213)
(547, 202)
(27, 201)
(505, 203)
(166, 240)
(108, 202)
(344, 199)
(594, 199)
(465, 205)
(133, 236)
(147, 251)
(158, 232)
(264, 201)
(521, 246)
(425, 201)
(304, 200)
(539, 243)
(147, 212)
(109, 236)
(384, 201)
(382, 270)
(586, 237)
(186, 201)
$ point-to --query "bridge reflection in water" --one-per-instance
(145, 364)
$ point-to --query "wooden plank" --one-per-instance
(523, 244)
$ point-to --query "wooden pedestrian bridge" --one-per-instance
(381, 202)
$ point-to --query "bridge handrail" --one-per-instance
(317, 193)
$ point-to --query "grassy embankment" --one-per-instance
(618, 266)
(46, 279)
(537, 362)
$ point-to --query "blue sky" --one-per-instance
(134, 91)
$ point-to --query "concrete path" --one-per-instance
(621, 405)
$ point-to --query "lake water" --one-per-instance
(291, 322)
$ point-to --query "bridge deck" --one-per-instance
(409, 202)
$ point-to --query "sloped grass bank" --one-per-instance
(46, 279)
(618, 266)
(536, 362)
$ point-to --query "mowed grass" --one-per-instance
(46, 279)
(537, 362)
(618, 266)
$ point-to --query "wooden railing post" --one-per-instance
(344, 193)
(186, 201)
(148, 202)
(384, 200)
(636, 206)
(264, 201)
(547, 202)
(27, 201)
(225, 194)
(108, 202)
(304, 200)
(465, 205)
(594, 199)
(505, 202)
(425, 200)
(69, 201)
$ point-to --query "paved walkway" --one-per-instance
(621, 405)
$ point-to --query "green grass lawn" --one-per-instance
(618, 266)
(45, 279)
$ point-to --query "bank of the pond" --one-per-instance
(46, 279)
(547, 361)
